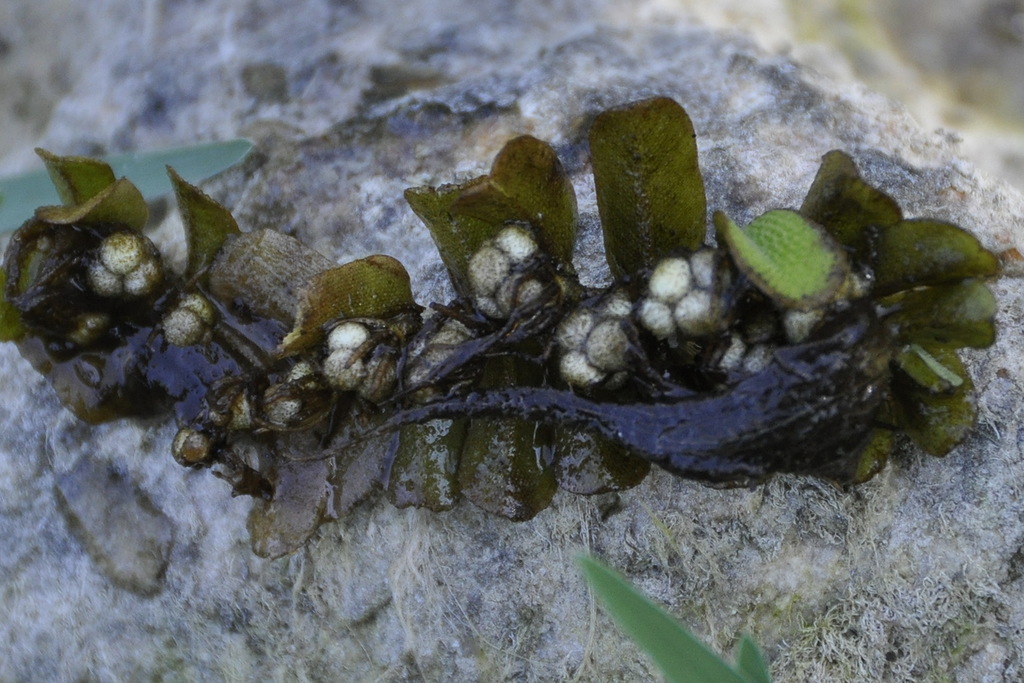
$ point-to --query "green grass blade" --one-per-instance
(148, 169)
(750, 661)
(24, 192)
(680, 656)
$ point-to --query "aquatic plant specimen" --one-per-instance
(799, 343)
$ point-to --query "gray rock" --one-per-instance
(915, 575)
(127, 538)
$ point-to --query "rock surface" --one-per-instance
(913, 576)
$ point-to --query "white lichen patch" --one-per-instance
(693, 314)
(670, 280)
(127, 265)
(356, 363)
(577, 371)
(757, 358)
(574, 328)
(283, 412)
(240, 413)
(517, 243)
(656, 317)
(734, 353)
(607, 345)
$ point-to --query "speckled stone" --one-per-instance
(916, 574)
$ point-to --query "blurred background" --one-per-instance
(956, 64)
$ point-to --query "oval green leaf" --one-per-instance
(919, 252)
(499, 470)
(650, 193)
(425, 465)
(120, 202)
(457, 237)
(949, 316)
(526, 183)
(587, 464)
(373, 287)
(267, 271)
(936, 422)
(874, 456)
(11, 328)
(76, 179)
(23, 192)
(846, 206)
(207, 223)
(789, 258)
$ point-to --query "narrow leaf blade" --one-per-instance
(679, 655)
(193, 164)
(750, 661)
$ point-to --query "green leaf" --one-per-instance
(457, 237)
(927, 370)
(936, 422)
(875, 455)
(846, 206)
(425, 465)
(24, 192)
(922, 251)
(499, 470)
(526, 183)
(11, 328)
(680, 656)
(650, 193)
(586, 463)
(77, 179)
(789, 258)
(750, 661)
(207, 223)
(950, 316)
(119, 202)
(373, 287)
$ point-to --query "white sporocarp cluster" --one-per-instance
(352, 365)
(286, 409)
(683, 296)
(190, 321)
(496, 289)
(128, 266)
(594, 343)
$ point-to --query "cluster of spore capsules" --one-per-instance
(799, 343)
